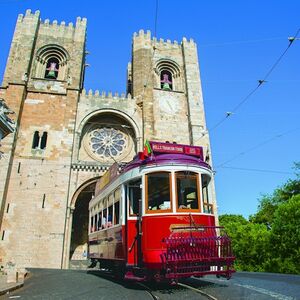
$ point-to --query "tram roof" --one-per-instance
(161, 154)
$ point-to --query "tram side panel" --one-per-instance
(107, 244)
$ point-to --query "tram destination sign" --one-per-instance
(177, 149)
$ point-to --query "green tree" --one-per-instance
(248, 242)
(270, 240)
(269, 203)
(285, 238)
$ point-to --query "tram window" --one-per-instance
(117, 213)
(207, 206)
(109, 216)
(104, 218)
(92, 224)
(117, 196)
(99, 220)
(158, 191)
(96, 222)
(134, 195)
(187, 190)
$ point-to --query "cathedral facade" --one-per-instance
(67, 137)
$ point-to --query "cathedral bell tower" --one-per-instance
(42, 82)
(164, 78)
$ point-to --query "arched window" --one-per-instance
(51, 63)
(52, 68)
(35, 140)
(168, 75)
(166, 81)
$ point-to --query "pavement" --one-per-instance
(6, 288)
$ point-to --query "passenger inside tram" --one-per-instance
(187, 190)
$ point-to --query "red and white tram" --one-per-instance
(154, 219)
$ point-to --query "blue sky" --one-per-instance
(238, 43)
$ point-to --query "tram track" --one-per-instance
(208, 296)
(150, 291)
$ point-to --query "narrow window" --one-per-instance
(99, 220)
(166, 82)
(36, 140)
(3, 235)
(44, 198)
(207, 205)
(44, 140)
(117, 213)
(7, 208)
(117, 200)
(110, 216)
(158, 191)
(19, 167)
(92, 224)
(187, 190)
(134, 195)
(52, 68)
(96, 222)
(104, 218)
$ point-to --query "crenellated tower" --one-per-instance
(164, 77)
(42, 84)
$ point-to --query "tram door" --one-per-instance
(133, 221)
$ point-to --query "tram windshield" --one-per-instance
(187, 190)
(158, 191)
(159, 195)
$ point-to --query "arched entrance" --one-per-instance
(78, 226)
(80, 220)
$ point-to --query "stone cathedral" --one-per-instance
(67, 137)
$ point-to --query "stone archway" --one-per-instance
(80, 221)
(76, 236)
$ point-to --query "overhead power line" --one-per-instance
(259, 84)
(257, 170)
(257, 146)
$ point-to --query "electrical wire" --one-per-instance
(257, 146)
(257, 170)
(260, 83)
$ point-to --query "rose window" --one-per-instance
(107, 142)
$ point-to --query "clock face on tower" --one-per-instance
(169, 104)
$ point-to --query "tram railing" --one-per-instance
(197, 251)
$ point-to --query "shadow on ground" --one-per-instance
(161, 287)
